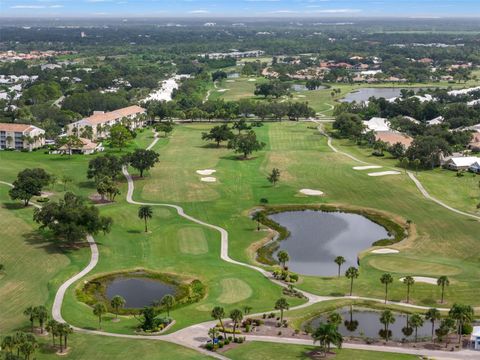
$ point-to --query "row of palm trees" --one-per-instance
(19, 343)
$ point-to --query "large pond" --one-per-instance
(364, 94)
(301, 87)
(138, 291)
(366, 323)
(317, 238)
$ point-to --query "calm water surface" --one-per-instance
(317, 238)
(138, 292)
(364, 94)
(368, 324)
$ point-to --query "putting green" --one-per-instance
(192, 240)
(233, 291)
(394, 264)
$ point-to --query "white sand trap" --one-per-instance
(208, 179)
(222, 90)
(252, 80)
(366, 167)
(230, 80)
(423, 279)
(383, 173)
(311, 192)
(385, 251)
(301, 96)
(206, 172)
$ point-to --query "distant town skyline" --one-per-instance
(240, 8)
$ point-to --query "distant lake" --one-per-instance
(233, 75)
(317, 238)
(364, 94)
(301, 87)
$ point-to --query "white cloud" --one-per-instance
(198, 12)
(27, 7)
(337, 11)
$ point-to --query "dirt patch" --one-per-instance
(97, 199)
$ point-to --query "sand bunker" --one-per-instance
(311, 192)
(366, 167)
(230, 80)
(222, 90)
(252, 80)
(385, 251)
(383, 173)
(208, 179)
(423, 279)
(206, 172)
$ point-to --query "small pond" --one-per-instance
(234, 75)
(138, 291)
(366, 323)
(318, 237)
(364, 94)
(301, 87)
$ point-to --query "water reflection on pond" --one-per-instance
(317, 237)
(364, 94)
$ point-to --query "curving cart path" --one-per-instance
(195, 335)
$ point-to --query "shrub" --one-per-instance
(43, 199)
(247, 328)
(220, 344)
(467, 329)
(264, 316)
(209, 346)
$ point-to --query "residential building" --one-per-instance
(100, 122)
(88, 147)
(21, 136)
(461, 163)
(393, 137)
(377, 124)
(475, 338)
(474, 144)
(475, 167)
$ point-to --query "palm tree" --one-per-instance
(387, 318)
(327, 334)
(63, 331)
(19, 338)
(386, 279)
(416, 321)
(339, 260)
(258, 217)
(218, 313)
(145, 212)
(283, 258)
(236, 316)
(31, 313)
(334, 318)
(98, 310)
(116, 303)
(443, 281)
(213, 333)
(42, 316)
(247, 309)
(462, 314)
(282, 304)
(432, 315)
(52, 328)
(351, 273)
(416, 163)
(168, 301)
(409, 281)
(8, 344)
(27, 348)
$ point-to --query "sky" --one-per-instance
(240, 8)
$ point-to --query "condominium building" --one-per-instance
(21, 136)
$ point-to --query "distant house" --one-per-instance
(475, 338)
(100, 122)
(436, 121)
(475, 167)
(377, 124)
(474, 144)
(88, 147)
(461, 163)
(21, 136)
(393, 137)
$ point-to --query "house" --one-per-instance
(377, 124)
(475, 338)
(88, 147)
(475, 167)
(100, 121)
(21, 136)
(461, 163)
(436, 121)
(393, 137)
(474, 144)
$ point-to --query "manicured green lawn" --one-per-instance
(272, 351)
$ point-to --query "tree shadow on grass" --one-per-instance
(86, 184)
(134, 231)
(42, 239)
(15, 206)
(236, 157)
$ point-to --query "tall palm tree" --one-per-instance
(63, 331)
(31, 313)
(52, 328)
(416, 321)
(116, 303)
(218, 313)
(98, 310)
(247, 309)
(258, 217)
(282, 304)
(145, 212)
(236, 315)
(443, 281)
(386, 279)
(168, 301)
(42, 316)
(462, 314)
(387, 318)
(8, 344)
(283, 258)
(351, 273)
(327, 334)
(409, 281)
(433, 315)
(339, 260)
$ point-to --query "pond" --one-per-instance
(234, 75)
(318, 237)
(138, 291)
(301, 87)
(366, 323)
(364, 94)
